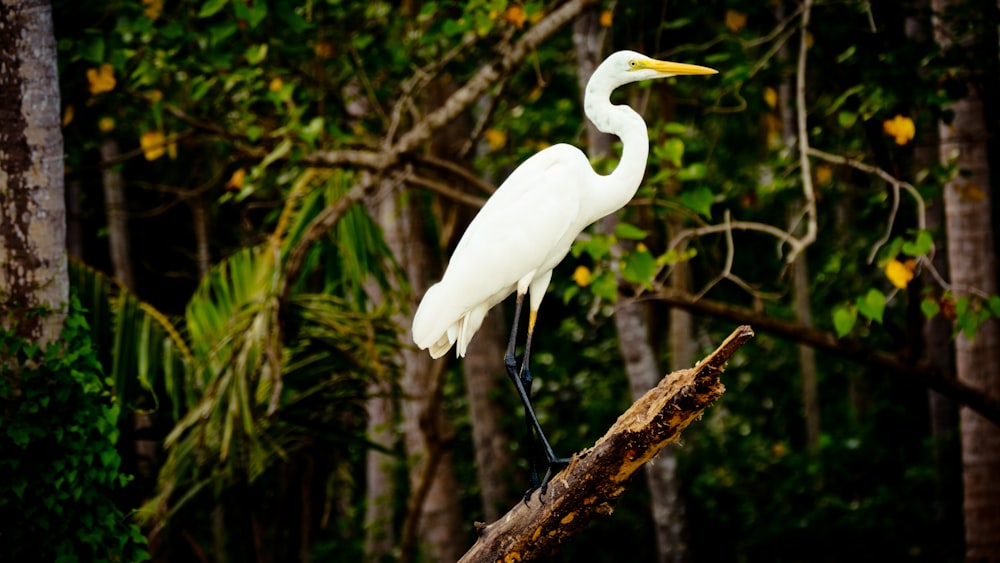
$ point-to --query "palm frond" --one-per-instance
(142, 351)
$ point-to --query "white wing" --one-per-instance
(522, 232)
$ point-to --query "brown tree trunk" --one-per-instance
(33, 270)
(634, 331)
(199, 216)
(972, 258)
(485, 380)
(800, 269)
(936, 332)
(434, 517)
(380, 484)
(117, 215)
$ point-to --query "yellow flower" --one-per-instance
(901, 128)
(101, 79)
(581, 276)
(606, 18)
(823, 174)
(970, 192)
(154, 144)
(496, 138)
(770, 97)
(735, 21)
(275, 85)
(323, 49)
(236, 180)
(899, 273)
(153, 8)
(68, 115)
(515, 15)
(106, 124)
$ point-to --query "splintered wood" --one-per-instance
(595, 478)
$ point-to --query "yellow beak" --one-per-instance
(667, 67)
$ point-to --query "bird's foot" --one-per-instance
(542, 486)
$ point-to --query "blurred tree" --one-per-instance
(973, 267)
(33, 276)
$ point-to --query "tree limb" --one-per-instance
(596, 477)
(920, 373)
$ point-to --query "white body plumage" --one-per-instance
(527, 227)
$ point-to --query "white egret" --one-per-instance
(527, 226)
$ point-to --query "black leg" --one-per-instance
(522, 382)
(510, 362)
(525, 376)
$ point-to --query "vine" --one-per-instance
(57, 452)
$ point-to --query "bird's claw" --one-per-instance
(543, 485)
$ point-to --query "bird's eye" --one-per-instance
(632, 63)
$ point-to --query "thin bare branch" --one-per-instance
(459, 171)
(445, 190)
(808, 191)
(920, 373)
(896, 184)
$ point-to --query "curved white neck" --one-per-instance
(617, 189)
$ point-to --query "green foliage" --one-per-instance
(244, 90)
(141, 349)
(59, 461)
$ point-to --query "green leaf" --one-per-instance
(696, 171)
(630, 232)
(993, 303)
(847, 119)
(844, 318)
(872, 305)
(597, 247)
(639, 267)
(256, 54)
(675, 128)
(605, 287)
(452, 28)
(673, 256)
(211, 7)
(672, 151)
(699, 200)
(93, 50)
(258, 11)
(848, 53)
(919, 247)
(930, 307)
(969, 315)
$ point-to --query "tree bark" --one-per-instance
(434, 515)
(199, 216)
(485, 380)
(596, 477)
(972, 258)
(936, 332)
(800, 268)
(33, 272)
(117, 215)
(380, 484)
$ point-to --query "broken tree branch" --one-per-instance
(596, 477)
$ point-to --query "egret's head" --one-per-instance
(624, 67)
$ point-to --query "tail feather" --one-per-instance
(437, 326)
(431, 324)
